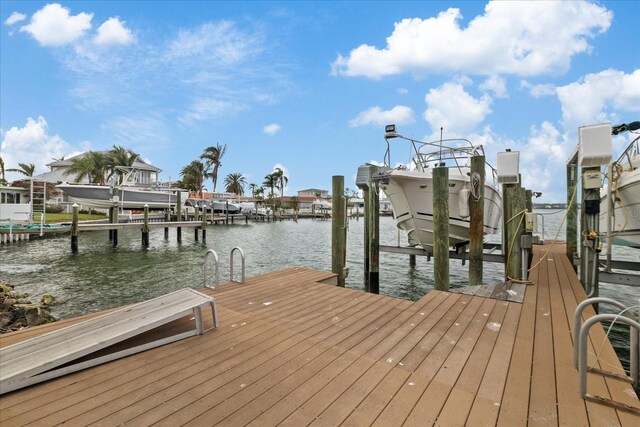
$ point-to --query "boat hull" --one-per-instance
(104, 197)
(411, 195)
(626, 219)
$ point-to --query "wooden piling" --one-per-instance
(476, 218)
(111, 221)
(145, 227)
(374, 233)
(572, 213)
(366, 194)
(74, 229)
(513, 206)
(179, 215)
(115, 220)
(195, 218)
(528, 200)
(412, 261)
(167, 218)
(226, 219)
(204, 225)
(338, 230)
(441, 228)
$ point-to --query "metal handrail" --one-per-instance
(233, 251)
(577, 320)
(216, 270)
(582, 365)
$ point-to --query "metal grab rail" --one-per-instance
(577, 320)
(233, 251)
(584, 332)
(216, 268)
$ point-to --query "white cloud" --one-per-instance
(209, 109)
(444, 107)
(145, 133)
(545, 144)
(221, 42)
(113, 32)
(495, 84)
(402, 91)
(31, 144)
(398, 115)
(597, 98)
(54, 26)
(523, 38)
(539, 90)
(15, 17)
(271, 129)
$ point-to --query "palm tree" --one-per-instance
(234, 183)
(281, 180)
(193, 176)
(27, 169)
(3, 180)
(253, 187)
(91, 165)
(270, 182)
(213, 157)
(119, 156)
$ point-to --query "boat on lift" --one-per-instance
(132, 192)
(623, 193)
(409, 188)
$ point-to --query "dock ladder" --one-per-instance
(216, 267)
(580, 340)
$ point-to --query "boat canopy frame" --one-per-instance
(457, 150)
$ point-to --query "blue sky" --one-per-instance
(309, 86)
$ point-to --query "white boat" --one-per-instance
(128, 194)
(411, 191)
(625, 193)
(216, 205)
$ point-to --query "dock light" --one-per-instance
(537, 194)
(390, 131)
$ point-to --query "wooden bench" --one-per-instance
(52, 355)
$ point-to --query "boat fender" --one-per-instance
(463, 203)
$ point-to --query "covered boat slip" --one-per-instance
(292, 350)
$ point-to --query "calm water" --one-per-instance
(101, 276)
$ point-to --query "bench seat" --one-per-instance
(42, 358)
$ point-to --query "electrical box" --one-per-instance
(530, 222)
(362, 178)
(594, 145)
(509, 167)
(591, 180)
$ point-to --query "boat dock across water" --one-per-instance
(293, 349)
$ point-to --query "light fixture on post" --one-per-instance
(390, 131)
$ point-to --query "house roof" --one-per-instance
(139, 163)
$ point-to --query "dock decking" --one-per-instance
(291, 350)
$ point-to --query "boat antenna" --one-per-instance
(440, 143)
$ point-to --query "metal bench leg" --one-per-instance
(198, 315)
(214, 313)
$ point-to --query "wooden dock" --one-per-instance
(295, 351)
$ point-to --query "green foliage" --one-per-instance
(193, 176)
(27, 169)
(213, 157)
(234, 183)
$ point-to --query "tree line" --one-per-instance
(207, 166)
